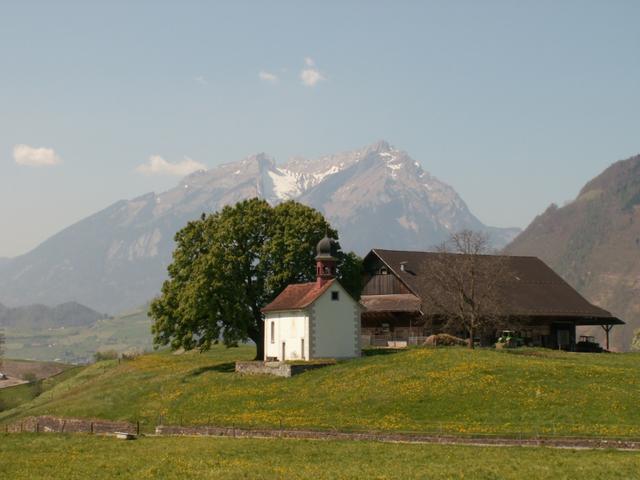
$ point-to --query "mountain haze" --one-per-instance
(594, 243)
(116, 259)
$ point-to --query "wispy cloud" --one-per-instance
(310, 75)
(201, 80)
(35, 157)
(156, 165)
(268, 76)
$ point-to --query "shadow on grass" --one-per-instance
(228, 367)
(372, 352)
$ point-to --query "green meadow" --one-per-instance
(49, 456)
(449, 390)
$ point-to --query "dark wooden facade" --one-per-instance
(544, 308)
(384, 284)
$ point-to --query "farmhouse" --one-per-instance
(313, 320)
(545, 309)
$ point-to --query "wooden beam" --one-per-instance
(607, 329)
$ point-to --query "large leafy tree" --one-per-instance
(230, 264)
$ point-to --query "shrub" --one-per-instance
(444, 340)
(131, 354)
(99, 356)
(29, 377)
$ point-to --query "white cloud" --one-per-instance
(159, 166)
(311, 77)
(201, 80)
(35, 157)
(268, 77)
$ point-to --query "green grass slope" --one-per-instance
(80, 457)
(450, 389)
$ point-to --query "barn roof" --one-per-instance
(298, 296)
(402, 302)
(531, 287)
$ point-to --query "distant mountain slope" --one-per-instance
(42, 317)
(594, 243)
(116, 259)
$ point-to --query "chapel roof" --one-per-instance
(298, 296)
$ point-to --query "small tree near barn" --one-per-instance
(465, 284)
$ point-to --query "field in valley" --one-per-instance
(449, 390)
(77, 344)
(50, 456)
(28, 379)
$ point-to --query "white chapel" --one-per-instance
(313, 320)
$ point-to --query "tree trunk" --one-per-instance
(257, 335)
(471, 336)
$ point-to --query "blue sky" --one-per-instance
(515, 104)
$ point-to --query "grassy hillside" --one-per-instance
(77, 344)
(70, 457)
(449, 390)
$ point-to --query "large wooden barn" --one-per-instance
(543, 307)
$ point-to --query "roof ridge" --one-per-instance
(456, 253)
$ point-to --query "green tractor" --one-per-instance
(509, 339)
(587, 343)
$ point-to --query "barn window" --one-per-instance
(273, 332)
(335, 296)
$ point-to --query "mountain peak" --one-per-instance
(262, 160)
(379, 146)
(117, 258)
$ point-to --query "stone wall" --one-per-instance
(559, 442)
(47, 424)
(278, 369)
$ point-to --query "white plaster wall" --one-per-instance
(290, 328)
(336, 325)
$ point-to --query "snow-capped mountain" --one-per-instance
(116, 259)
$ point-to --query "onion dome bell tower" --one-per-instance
(325, 260)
